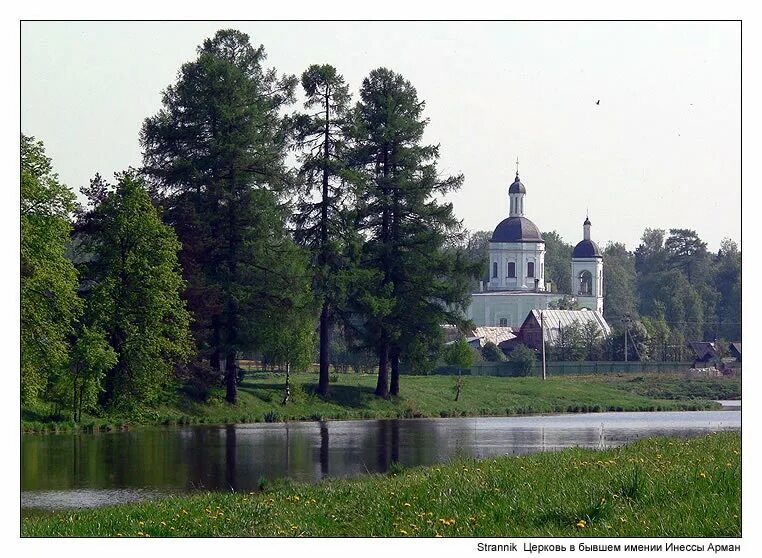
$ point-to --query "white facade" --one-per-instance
(588, 289)
(510, 267)
(507, 308)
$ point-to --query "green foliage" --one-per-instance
(592, 340)
(420, 281)
(215, 153)
(619, 283)
(322, 225)
(49, 302)
(571, 343)
(638, 341)
(525, 358)
(78, 387)
(475, 244)
(459, 354)
(557, 260)
(133, 291)
(566, 302)
(492, 353)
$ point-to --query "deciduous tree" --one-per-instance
(49, 302)
(133, 287)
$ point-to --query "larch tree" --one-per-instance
(320, 139)
(420, 283)
(215, 153)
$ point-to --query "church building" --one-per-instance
(517, 270)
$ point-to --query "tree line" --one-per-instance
(670, 290)
(217, 245)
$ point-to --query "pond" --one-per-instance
(85, 470)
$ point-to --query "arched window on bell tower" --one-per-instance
(585, 283)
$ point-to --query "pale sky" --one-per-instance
(661, 150)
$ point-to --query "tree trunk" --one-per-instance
(382, 387)
(325, 339)
(324, 331)
(395, 361)
(230, 379)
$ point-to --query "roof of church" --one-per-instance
(587, 249)
(517, 187)
(516, 229)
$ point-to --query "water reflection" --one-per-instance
(97, 469)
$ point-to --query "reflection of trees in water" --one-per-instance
(324, 439)
(221, 458)
(230, 459)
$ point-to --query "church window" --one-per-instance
(530, 269)
(494, 269)
(503, 322)
(511, 269)
(585, 283)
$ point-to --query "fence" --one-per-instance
(567, 368)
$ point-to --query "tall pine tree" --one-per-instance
(320, 137)
(421, 284)
(216, 153)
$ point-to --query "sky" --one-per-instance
(662, 149)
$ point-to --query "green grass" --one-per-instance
(661, 487)
(260, 396)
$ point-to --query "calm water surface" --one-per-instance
(86, 470)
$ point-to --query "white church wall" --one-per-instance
(488, 308)
(521, 254)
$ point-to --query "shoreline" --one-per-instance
(422, 397)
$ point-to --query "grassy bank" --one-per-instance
(261, 394)
(662, 487)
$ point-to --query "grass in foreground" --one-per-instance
(661, 487)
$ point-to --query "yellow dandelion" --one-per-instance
(702, 474)
(403, 531)
(296, 498)
(581, 523)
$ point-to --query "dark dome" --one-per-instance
(587, 249)
(516, 229)
(517, 187)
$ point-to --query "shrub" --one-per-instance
(492, 353)
(525, 358)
